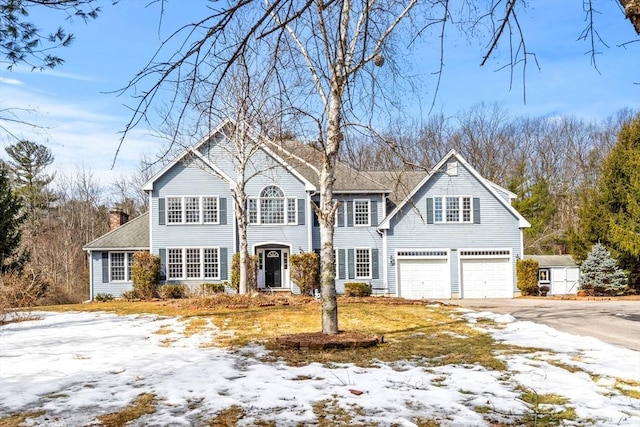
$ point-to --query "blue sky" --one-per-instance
(82, 118)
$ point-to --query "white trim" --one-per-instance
(522, 222)
(285, 273)
(368, 202)
(192, 150)
(443, 199)
(424, 254)
(355, 264)
(91, 282)
(183, 209)
(183, 250)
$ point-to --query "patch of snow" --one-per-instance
(78, 366)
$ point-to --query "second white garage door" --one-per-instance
(424, 278)
(486, 278)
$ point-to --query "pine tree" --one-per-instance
(11, 218)
(600, 273)
(610, 214)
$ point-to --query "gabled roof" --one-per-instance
(553, 260)
(131, 235)
(523, 223)
(307, 160)
(194, 151)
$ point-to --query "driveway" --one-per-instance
(615, 322)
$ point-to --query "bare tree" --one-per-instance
(328, 57)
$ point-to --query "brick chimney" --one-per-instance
(117, 217)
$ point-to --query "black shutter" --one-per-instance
(350, 214)
(476, 210)
(350, 264)
(316, 221)
(161, 211)
(163, 263)
(375, 269)
(105, 267)
(429, 210)
(374, 213)
(301, 211)
(224, 274)
(341, 215)
(223, 211)
(341, 262)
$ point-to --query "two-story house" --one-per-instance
(448, 233)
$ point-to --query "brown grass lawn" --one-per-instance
(408, 328)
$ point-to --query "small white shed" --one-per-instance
(559, 272)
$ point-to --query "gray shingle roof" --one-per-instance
(132, 235)
(307, 161)
(553, 260)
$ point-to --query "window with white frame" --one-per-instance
(174, 210)
(252, 211)
(129, 265)
(192, 209)
(174, 264)
(362, 263)
(211, 268)
(193, 263)
(210, 210)
(361, 210)
(272, 207)
(452, 209)
(120, 266)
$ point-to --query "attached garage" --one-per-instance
(486, 274)
(423, 274)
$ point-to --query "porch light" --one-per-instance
(392, 260)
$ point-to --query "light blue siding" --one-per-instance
(99, 286)
(348, 237)
(498, 228)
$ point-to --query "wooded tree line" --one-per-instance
(550, 163)
(55, 215)
(556, 166)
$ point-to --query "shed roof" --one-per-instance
(131, 235)
(553, 260)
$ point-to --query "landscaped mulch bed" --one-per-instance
(320, 341)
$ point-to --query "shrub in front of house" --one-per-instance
(527, 276)
(145, 274)
(305, 271)
(129, 295)
(357, 289)
(103, 297)
(601, 274)
(252, 272)
(213, 288)
(173, 291)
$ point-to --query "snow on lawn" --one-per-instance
(77, 366)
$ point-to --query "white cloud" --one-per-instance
(13, 82)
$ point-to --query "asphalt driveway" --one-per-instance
(613, 321)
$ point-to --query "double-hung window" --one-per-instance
(192, 209)
(361, 213)
(272, 207)
(362, 263)
(120, 266)
(193, 263)
(452, 209)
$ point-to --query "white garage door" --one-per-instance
(486, 278)
(424, 278)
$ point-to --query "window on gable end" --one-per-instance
(174, 210)
(210, 210)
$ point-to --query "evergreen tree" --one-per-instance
(600, 273)
(11, 218)
(28, 163)
(611, 213)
